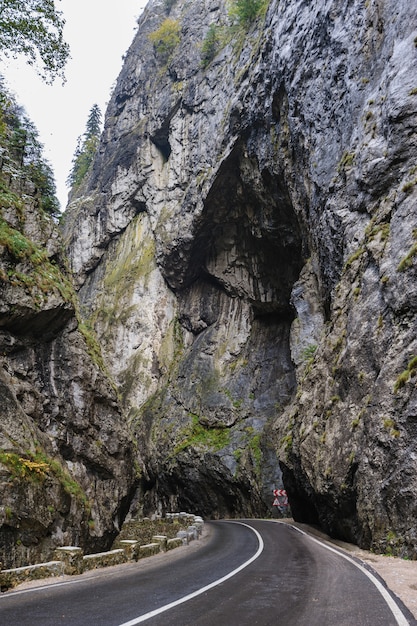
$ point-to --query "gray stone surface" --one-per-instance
(66, 462)
(245, 247)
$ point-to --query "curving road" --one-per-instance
(247, 573)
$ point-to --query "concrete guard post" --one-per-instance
(162, 540)
(72, 558)
(184, 536)
(129, 546)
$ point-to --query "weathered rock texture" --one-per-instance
(245, 247)
(66, 465)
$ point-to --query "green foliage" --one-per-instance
(405, 376)
(21, 160)
(287, 442)
(346, 161)
(199, 436)
(408, 186)
(41, 272)
(309, 352)
(407, 261)
(35, 467)
(93, 125)
(390, 425)
(24, 468)
(40, 173)
(373, 230)
(18, 246)
(354, 257)
(165, 39)
(93, 346)
(256, 451)
(34, 28)
(246, 11)
(86, 149)
(210, 45)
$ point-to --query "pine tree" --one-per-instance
(86, 148)
(93, 126)
(22, 161)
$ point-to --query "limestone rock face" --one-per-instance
(245, 248)
(66, 467)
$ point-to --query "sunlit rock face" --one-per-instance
(245, 248)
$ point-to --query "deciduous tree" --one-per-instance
(34, 28)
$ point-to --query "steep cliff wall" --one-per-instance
(245, 250)
(66, 464)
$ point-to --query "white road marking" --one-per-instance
(13, 594)
(395, 609)
(190, 596)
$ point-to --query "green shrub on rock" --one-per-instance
(165, 39)
(210, 46)
(246, 11)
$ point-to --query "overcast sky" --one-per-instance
(98, 32)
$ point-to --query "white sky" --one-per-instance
(99, 32)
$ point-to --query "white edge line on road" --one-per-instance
(190, 596)
(398, 614)
(13, 594)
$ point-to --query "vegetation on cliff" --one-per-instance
(86, 149)
(246, 11)
(23, 168)
(165, 39)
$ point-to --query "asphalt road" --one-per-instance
(247, 573)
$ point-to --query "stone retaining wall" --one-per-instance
(70, 560)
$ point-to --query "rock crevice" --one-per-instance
(245, 250)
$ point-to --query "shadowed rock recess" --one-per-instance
(245, 249)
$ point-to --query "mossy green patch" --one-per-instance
(35, 467)
(131, 264)
(346, 161)
(36, 270)
(404, 377)
(407, 261)
(172, 346)
(93, 346)
(353, 257)
(202, 437)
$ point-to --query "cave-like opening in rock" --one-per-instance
(246, 255)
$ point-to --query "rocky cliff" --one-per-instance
(245, 250)
(66, 463)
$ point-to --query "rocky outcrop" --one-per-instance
(245, 249)
(66, 466)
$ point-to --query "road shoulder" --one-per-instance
(399, 574)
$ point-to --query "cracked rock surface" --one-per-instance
(245, 249)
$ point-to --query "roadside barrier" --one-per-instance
(70, 560)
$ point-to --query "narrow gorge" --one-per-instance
(243, 255)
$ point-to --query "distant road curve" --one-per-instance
(250, 572)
